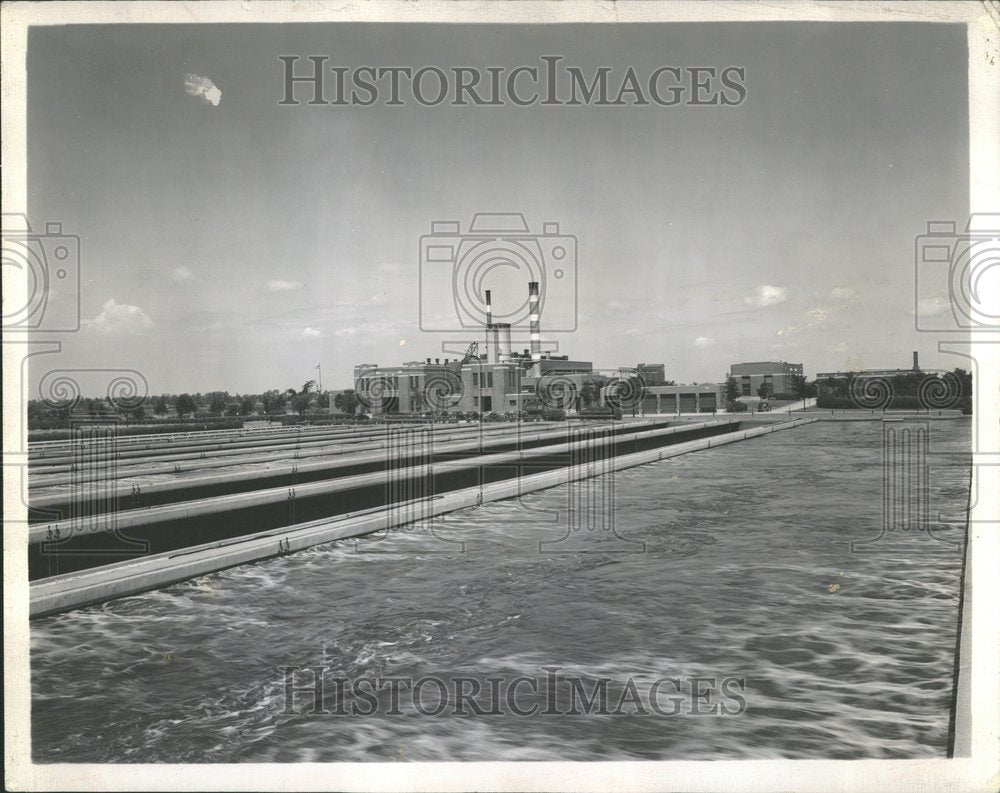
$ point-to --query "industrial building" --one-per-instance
(700, 398)
(652, 373)
(492, 377)
(776, 375)
(489, 378)
(834, 384)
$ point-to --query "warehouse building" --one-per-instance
(776, 375)
(700, 398)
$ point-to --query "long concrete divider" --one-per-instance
(173, 512)
(144, 493)
(270, 429)
(101, 438)
(416, 437)
(73, 590)
(107, 455)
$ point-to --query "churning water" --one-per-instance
(747, 572)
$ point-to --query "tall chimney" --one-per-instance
(916, 365)
(492, 339)
(534, 321)
(502, 330)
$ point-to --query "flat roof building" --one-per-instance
(775, 375)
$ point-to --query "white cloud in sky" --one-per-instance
(312, 333)
(120, 319)
(704, 341)
(203, 88)
(278, 285)
(767, 295)
(842, 293)
(183, 275)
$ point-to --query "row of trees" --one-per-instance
(220, 403)
(216, 404)
(909, 390)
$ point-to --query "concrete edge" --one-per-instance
(76, 590)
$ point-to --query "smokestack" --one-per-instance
(916, 365)
(492, 337)
(502, 331)
(534, 321)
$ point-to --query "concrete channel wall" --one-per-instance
(79, 543)
(73, 590)
(73, 499)
(97, 454)
(51, 493)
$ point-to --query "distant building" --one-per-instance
(837, 384)
(473, 383)
(700, 398)
(776, 375)
(652, 373)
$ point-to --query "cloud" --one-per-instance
(812, 318)
(183, 275)
(277, 285)
(767, 295)
(118, 319)
(704, 341)
(842, 293)
(312, 333)
(203, 88)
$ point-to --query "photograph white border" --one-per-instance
(980, 771)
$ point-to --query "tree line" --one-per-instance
(216, 404)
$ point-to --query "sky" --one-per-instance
(231, 243)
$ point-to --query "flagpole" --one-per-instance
(319, 379)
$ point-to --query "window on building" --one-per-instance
(475, 401)
(475, 379)
(745, 384)
(489, 379)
